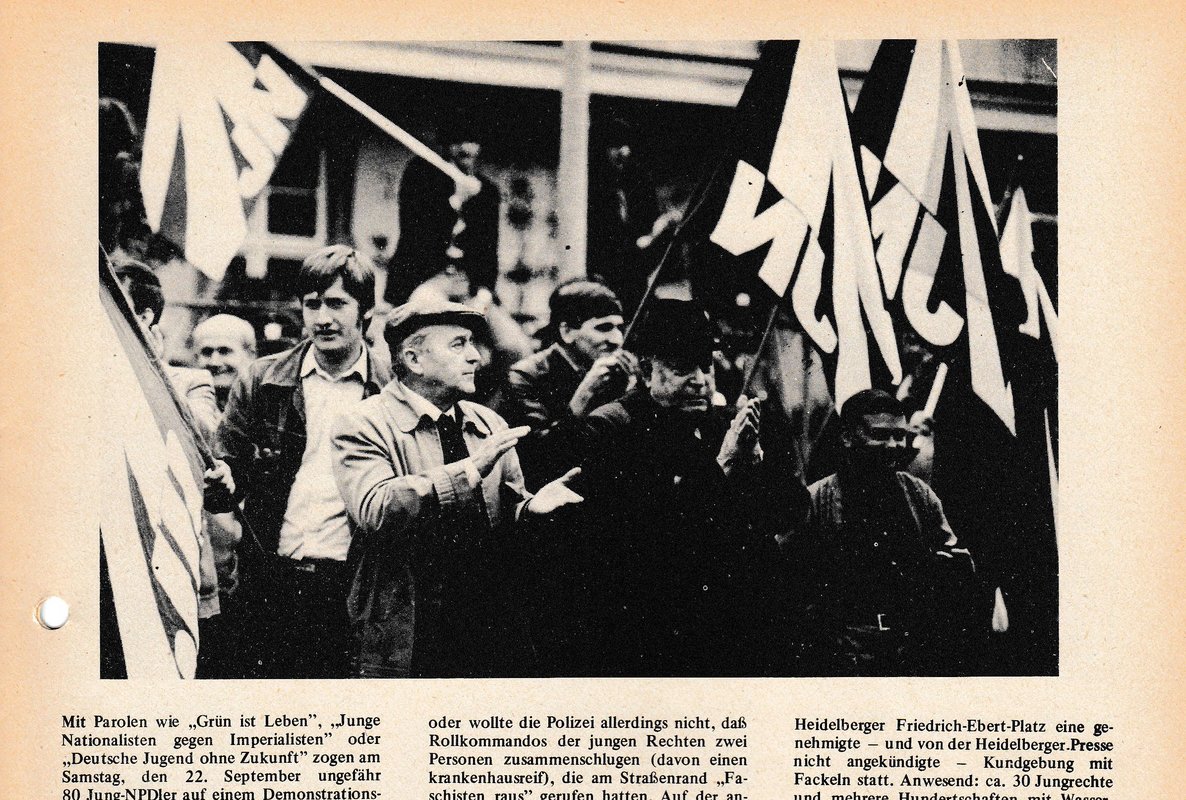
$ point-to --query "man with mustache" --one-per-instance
(884, 586)
(274, 441)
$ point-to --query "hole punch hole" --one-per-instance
(53, 613)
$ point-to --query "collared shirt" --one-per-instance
(426, 408)
(315, 521)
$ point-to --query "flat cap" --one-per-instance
(412, 316)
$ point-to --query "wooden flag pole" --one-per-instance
(752, 370)
(470, 185)
(399, 134)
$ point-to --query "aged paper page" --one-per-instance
(1115, 707)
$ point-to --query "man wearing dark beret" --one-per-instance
(584, 368)
(434, 485)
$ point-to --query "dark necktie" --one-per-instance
(472, 518)
(452, 441)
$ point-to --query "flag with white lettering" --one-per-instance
(151, 515)
(219, 117)
(782, 217)
(941, 265)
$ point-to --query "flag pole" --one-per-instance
(752, 370)
(1010, 189)
(471, 184)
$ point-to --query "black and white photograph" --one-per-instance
(579, 359)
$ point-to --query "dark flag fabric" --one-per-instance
(1041, 316)
(782, 218)
(151, 516)
(219, 117)
(940, 262)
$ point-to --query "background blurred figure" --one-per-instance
(439, 225)
(122, 223)
(624, 219)
(224, 345)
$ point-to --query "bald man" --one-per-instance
(225, 345)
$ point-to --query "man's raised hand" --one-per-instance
(495, 446)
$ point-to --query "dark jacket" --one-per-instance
(885, 586)
(537, 393)
(266, 410)
(675, 579)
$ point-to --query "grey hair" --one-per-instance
(413, 342)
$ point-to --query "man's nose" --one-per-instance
(323, 316)
(699, 377)
(472, 355)
(615, 337)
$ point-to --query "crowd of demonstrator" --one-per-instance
(440, 500)
(606, 512)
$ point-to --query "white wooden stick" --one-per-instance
(470, 184)
(936, 390)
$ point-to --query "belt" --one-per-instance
(312, 566)
(878, 622)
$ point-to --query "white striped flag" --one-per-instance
(151, 516)
(219, 117)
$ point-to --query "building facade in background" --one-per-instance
(544, 111)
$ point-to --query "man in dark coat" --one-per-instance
(884, 586)
(584, 368)
(624, 217)
(675, 490)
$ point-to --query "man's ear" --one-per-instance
(410, 358)
(646, 371)
(566, 332)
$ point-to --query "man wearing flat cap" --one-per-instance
(434, 485)
(673, 484)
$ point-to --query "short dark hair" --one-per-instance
(319, 271)
(143, 287)
(575, 301)
(868, 402)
